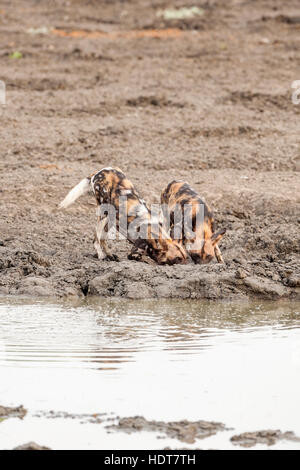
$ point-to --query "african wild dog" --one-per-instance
(201, 242)
(110, 186)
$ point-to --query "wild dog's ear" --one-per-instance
(216, 237)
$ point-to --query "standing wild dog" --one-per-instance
(200, 239)
(119, 206)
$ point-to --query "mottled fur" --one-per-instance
(202, 241)
(108, 185)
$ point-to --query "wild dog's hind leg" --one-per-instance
(219, 255)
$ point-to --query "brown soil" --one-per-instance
(206, 100)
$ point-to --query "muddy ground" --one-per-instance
(206, 100)
(188, 432)
(6, 412)
(267, 437)
(185, 431)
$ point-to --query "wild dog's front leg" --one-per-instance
(98, 235)
(100, 242)
(219, 255)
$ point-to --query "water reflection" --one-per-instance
(105, 333)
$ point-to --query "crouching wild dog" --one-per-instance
(191, 222)
(119, 207)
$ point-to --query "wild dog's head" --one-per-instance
(164, 251)
(205, 253)
(167, 251)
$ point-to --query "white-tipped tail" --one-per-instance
(79, 190)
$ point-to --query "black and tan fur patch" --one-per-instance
(109, 185)
(201, 240)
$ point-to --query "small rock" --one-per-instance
(266, 287)
(240, 273)
(18, 412)
(36, 286)
(31, 446)
(138, 290)
(293, 281)
(266, 437)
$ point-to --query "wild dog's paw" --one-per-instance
(135, 256)
(111, 258)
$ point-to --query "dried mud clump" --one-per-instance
(268, 437)
(185, 431)
(31, 446)
(6, 412)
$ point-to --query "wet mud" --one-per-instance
(185, 431)
(188, 432)
(7, 412)
(269, 437)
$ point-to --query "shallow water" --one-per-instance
(237, 363)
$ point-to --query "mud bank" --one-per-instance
(185, 431)
(7, 412)
(268, 437)
(27, 273)
(188, 432)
